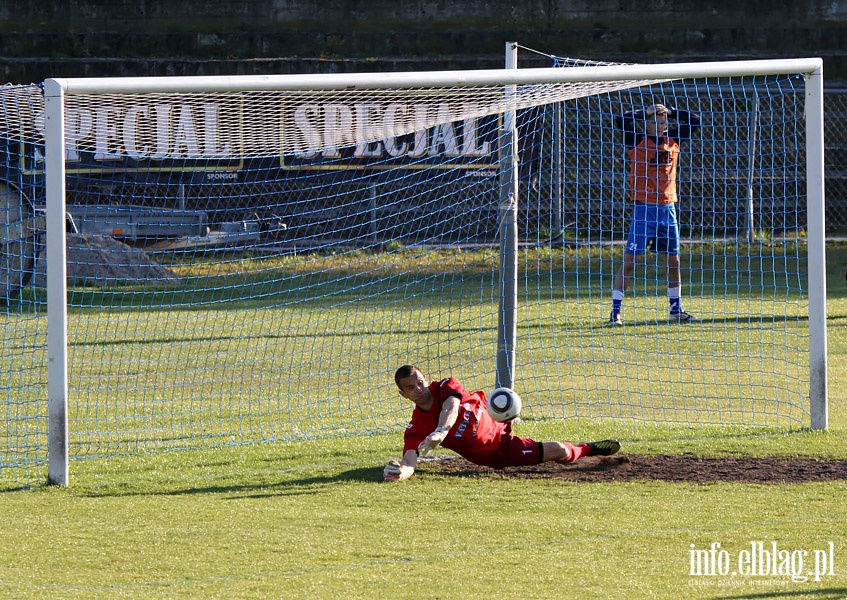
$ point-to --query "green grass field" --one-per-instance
(312, 518)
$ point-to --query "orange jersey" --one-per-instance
(652, 170)
(653, 160)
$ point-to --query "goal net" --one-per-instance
(250, 259)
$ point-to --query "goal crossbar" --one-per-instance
(352, 81)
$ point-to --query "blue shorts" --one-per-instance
(653, 226)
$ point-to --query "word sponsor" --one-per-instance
(759, 560)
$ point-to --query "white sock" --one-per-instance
(674, 299)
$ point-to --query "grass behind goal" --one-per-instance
(244, 369)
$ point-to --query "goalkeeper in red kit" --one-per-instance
(448, 415)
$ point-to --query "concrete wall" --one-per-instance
(156, 37)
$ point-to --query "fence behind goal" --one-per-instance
(251, 265)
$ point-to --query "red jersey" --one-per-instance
(652, 172)
(475, 435)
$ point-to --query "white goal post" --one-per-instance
(58, 90)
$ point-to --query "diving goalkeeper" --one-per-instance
(448, 415)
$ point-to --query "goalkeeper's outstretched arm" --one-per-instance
(398, 470)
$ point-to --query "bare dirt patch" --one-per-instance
(682, 468)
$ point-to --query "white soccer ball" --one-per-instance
(504, 404)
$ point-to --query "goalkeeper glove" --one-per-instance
(394, 471)
(432, 440)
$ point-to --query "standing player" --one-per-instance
(447, 414)
(653, 162)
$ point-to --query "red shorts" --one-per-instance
(517, 452)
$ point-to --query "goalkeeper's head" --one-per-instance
(656, 119)
(413, 385)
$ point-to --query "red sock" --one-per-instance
(577, 452)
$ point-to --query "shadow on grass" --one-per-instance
(741, 320)
(705, 321)
(312, 485)
(284, 487)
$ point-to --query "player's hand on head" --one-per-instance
(652, 110)
(432, 441)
